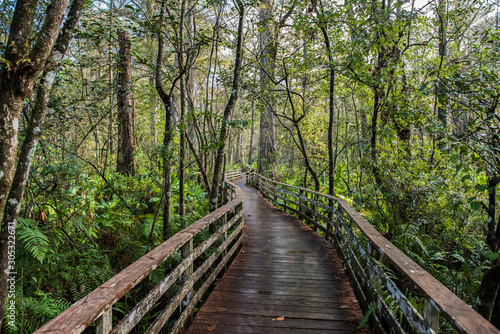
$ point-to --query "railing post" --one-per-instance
(329, 223)
(224, 238)
(105, 322)
(315, 207)
(185, 251)
(432, 316)
(224, 193)
(284, 199)
(301, 204)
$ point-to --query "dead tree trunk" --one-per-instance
(126, 112)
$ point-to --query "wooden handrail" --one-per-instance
(97, 305)
(362, 249)
(233, 175)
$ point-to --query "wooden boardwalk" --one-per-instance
(286, 279)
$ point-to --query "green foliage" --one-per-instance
(34, 241)
(85, 232)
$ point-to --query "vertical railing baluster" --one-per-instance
(224, 192)
(329, 223)
(105, 322)
(185, 251)
(301, 204)
(224, 237)
(432, 316)
(315, 207)
(284, 198)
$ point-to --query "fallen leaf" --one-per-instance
(241, 260)
(211, 328)
(280, 318)
(249, 215)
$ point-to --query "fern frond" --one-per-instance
(34, 241)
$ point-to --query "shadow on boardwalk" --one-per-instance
(286, 279)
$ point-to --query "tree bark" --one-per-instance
(267, 42)
(231, 104)
(166, 98)
(18, 75)
(252, 134)
(440, 100)
(331, 110)
(111, 120)
(182, 97)
(126, 112)
(488, 292)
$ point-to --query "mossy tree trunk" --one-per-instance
(20, 70)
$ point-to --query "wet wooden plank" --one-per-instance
(315, 301)
(276, 311)
(284, 270)
(224, 328)
(266, 322)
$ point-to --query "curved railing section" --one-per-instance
(217, 250)
(367, 255)
(233, 175)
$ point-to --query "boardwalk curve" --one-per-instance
(286, 279)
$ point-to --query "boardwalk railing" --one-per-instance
(372, 262)
(233, 175)
(194, 266)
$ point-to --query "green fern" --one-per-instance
(364, 321)
(34, 241)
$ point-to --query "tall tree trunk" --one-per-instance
(181, 49)
(231, 104)
(239, 144)
(440, 99)
(182, 151)
(19, 72)
(111, 119)
(267, 43)
(125, 110)
(252, 134)
(490, 283)
(152, 117)
(332, 155)
(166, 98)
(378, 96)
(488, 293)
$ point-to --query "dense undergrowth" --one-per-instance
(79, 230)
